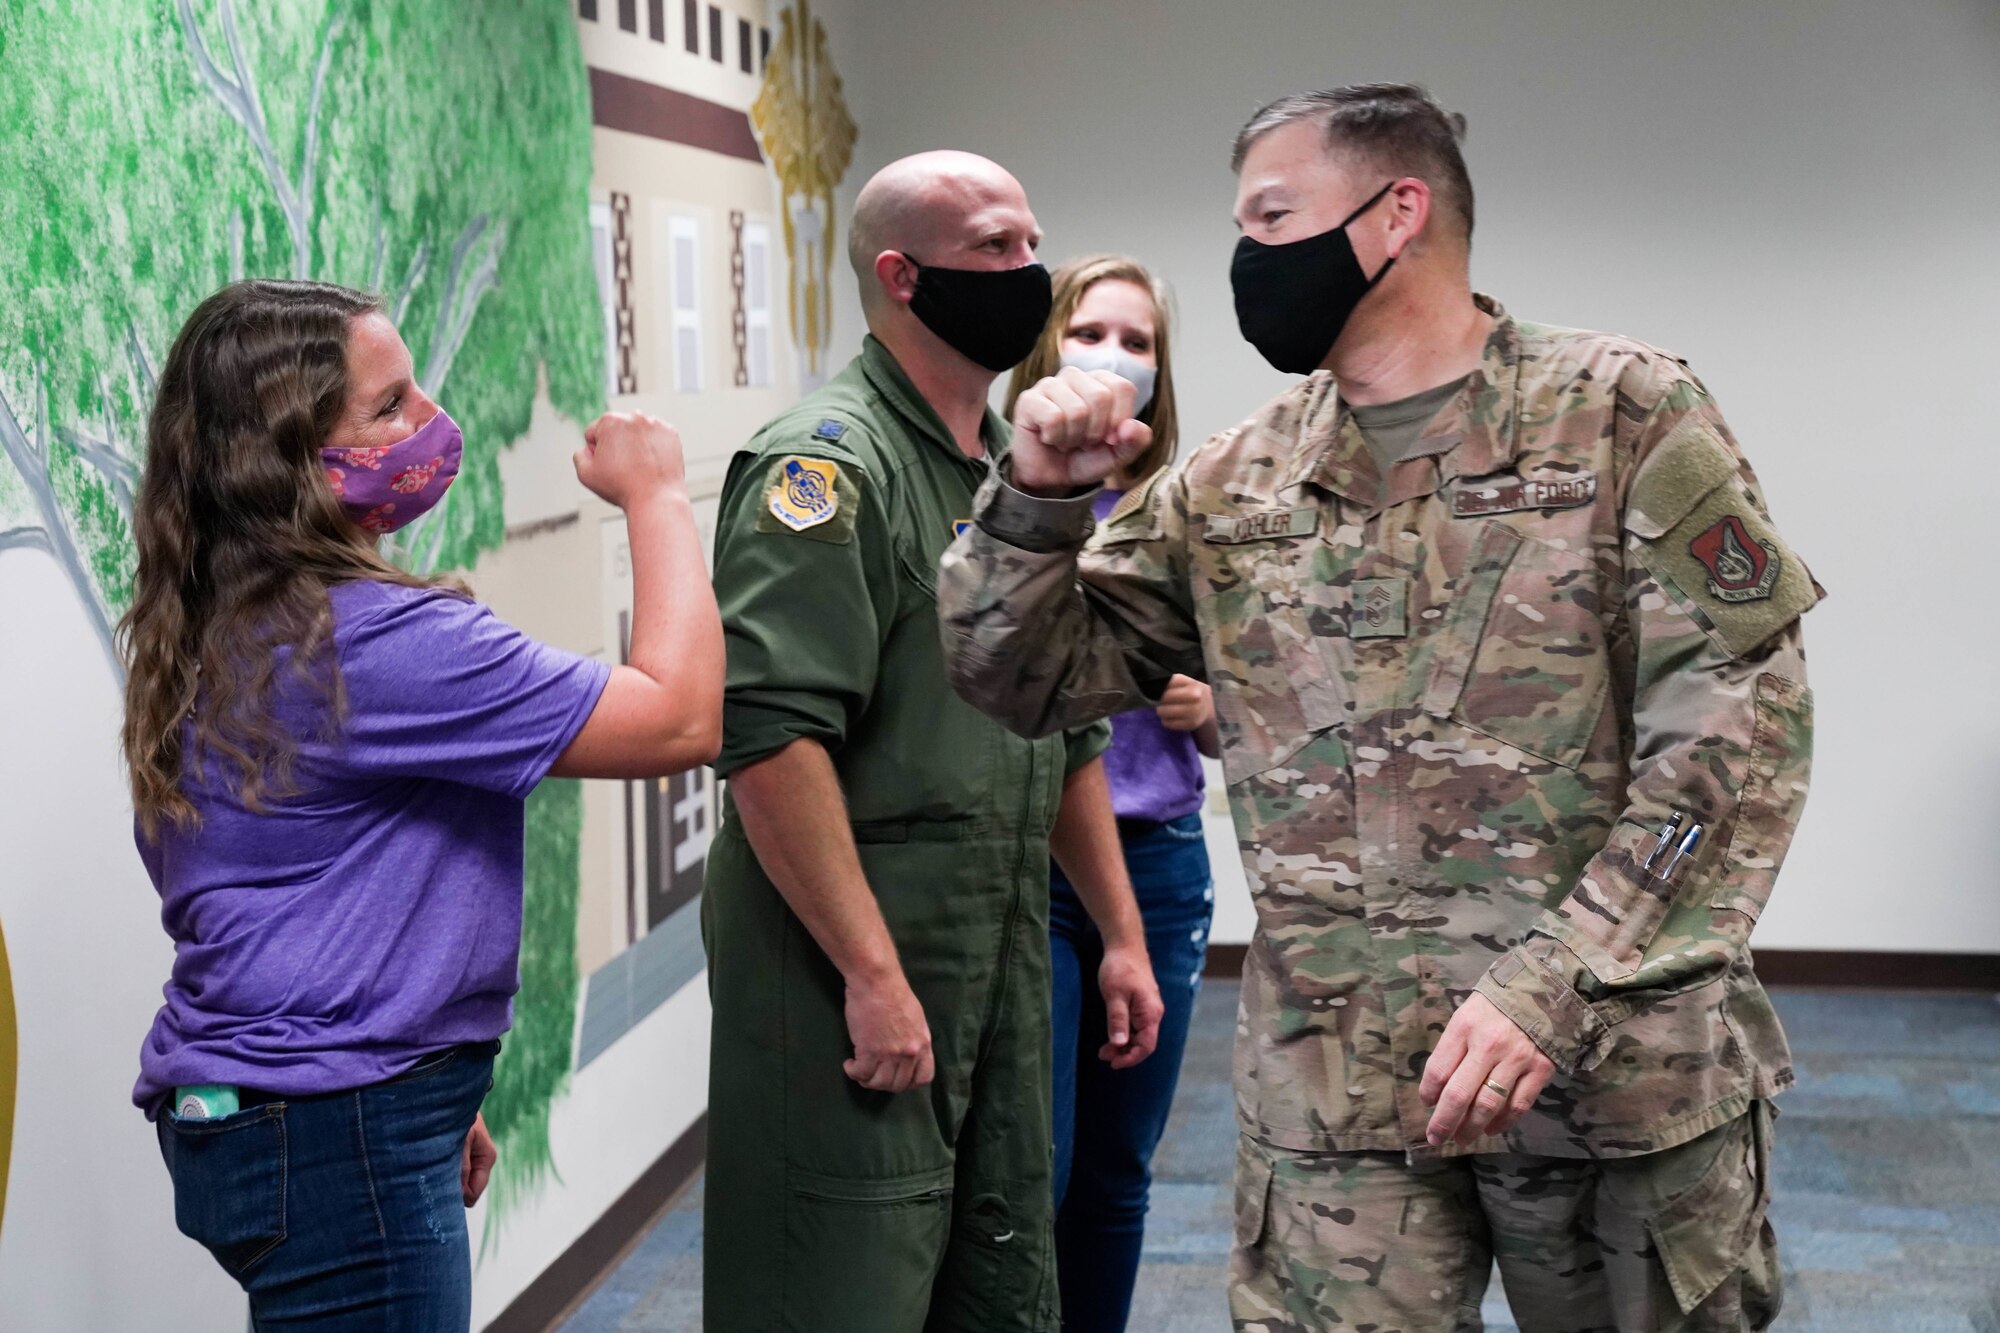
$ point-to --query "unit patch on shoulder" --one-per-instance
(958, 527)
(1729, 569)
(807, 493)
(829, 430)
(811, 497)
(1741, 567)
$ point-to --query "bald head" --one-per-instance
(951, 209)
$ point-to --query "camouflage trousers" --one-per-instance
(1675, 1241)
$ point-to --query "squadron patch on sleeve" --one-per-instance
(809, 496)
(1706, 540)
(1741, 567)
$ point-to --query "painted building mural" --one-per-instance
(566, 204)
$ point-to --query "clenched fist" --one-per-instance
(1074, 429)
(1186, 706)
(628, 457)
(892, 1039)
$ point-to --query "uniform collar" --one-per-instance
(1472, 435)
(888, 379)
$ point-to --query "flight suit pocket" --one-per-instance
(861, 1254)
(1522, 658)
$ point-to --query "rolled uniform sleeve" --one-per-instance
(1084, 744)
(1051, 622)
(804, 603)
(1722, 724)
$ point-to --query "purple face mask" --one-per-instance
(386, 487)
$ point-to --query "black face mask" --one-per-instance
(1292, 300)
(992, 317)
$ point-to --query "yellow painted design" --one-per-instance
(9, 1071)
(806, 493)
(808, 135)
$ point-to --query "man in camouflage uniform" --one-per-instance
(1480, 678)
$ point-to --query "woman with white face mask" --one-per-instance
(1111, 313)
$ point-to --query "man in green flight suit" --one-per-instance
(877, 906)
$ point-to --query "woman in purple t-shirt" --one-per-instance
(329, 760)
(1110, 313)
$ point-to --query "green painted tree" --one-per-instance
(435, 151)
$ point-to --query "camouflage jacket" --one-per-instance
(1457, 707)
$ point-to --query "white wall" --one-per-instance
(622, 1111)
(90, 1238)
(1803, 200)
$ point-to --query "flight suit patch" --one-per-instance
(1260, 525)
(1741, 568)
(808, 496)
(958, 527)
(829, 430)
(1509, 494)
(1381, 609)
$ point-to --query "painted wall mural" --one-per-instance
(806, 130)
(684, 219)
(154, 151)
(565, 204)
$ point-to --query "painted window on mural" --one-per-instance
(757, 302)
(607, 294)
(684, 299)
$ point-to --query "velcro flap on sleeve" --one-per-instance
(1675, 477)
(1710, 545)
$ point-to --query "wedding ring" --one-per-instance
(1502, 1093)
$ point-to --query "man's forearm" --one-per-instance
(796, 820)
(1024, 644)
(1085, 844)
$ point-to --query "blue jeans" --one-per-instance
(342, 1211)
(1107, 1122)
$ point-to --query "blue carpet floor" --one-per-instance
(1887, 1193)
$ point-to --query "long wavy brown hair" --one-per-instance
(1070, 282)
(239, 538)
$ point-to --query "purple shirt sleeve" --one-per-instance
(439, 687)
